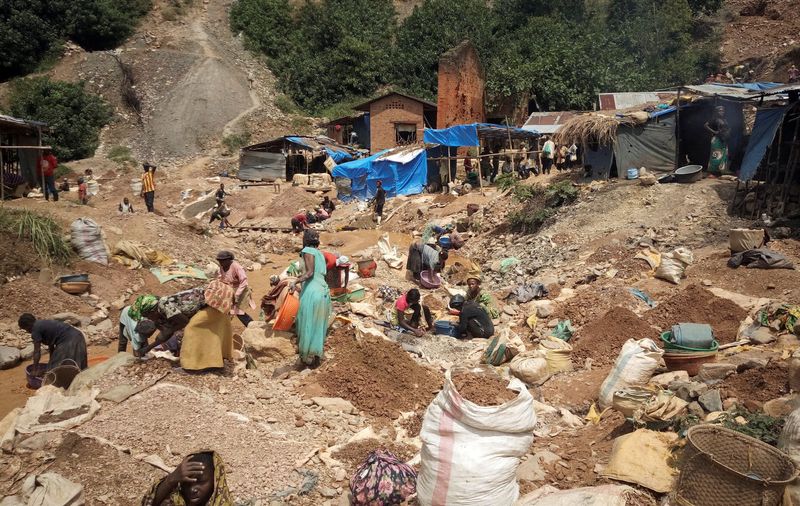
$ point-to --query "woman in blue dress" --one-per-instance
(315, 301)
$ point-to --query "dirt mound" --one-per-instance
(288, 203)
(695, 304)
(619, 258)
(758, 384)
(602, 339)
(27, 295)
(483, 389)
(413, 425)
(377, 376)
(354, 454)
(25, 259)
(591, 304)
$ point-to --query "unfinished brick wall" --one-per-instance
(386, 113)
(461, 87)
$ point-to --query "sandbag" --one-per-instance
(673, 265)
(530, 367)
(743, 239)
(628, 400)
(87, 239)
(663, 407)
(52, 409)
(789, 442)
(470, 453)
(601, 495)
(643, 457)
(557, 353)
(47, 489)
(634, 367)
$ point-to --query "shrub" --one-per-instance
(528, 222)
(26, 34)
(285, 104)
(74, 116)
(561, 193)
(43, 232)
(120, 154)
(234, 142)
(103, 24)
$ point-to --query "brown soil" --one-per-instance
(593, 302)
(289, 202)
(575, 390)
(695, 304)
(25, 259)
(483, 389)
(619, 258)
(28, 295)
(413, 425)
(758, 384)
(376, 375)
(354, 454)
(602, 339)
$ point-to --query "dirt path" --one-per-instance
(206, 102)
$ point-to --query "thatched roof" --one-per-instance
(593, 126)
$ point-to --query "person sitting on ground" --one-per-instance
(64, 186)
(199, 479)
(125, 207)
(472, 178)
(507, 167)
(476, 294)
(299, 221)
(321, 214)
(136, 332)
(83, 191)
(408, 312)
(328, 205)
(473, 321)
(64, 342)
(220, 212)
(232, 273)
(524, 168)
(273, 300)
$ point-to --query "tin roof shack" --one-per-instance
(396, 119)
(283, 157)
(20, 148)
(547, 122)
(770, 169)
(340, 129)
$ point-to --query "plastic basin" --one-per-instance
(445, 328)
(689, 362)
(430, 280)
(287, 313)
(34, 377)
(689, 173)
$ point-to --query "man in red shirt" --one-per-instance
(300, 221)
(47, 169)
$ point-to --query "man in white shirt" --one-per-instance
(548, 155)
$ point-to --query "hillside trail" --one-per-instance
(207, 102)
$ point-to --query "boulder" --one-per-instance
(26, 352)
(715, 371)
(268, 347)
(664, 380)
(781, 407)
(544, 308)
(73, 319)
(762, 335)
(335, 404)
(9, 357)
(711, 401)
(696, 409)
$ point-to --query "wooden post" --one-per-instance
(678, 130)
(38, 166)
(480, 175)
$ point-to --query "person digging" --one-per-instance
(408, 313)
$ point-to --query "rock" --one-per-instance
(104, 326)
(552, 323)
(544, 308)
(762, 335)
(9, 357)
(26, 352)
(752, 363)
(729, 403)
(781, 406)
(275, 347)
(695, 409)
(740, 420)
(706, 282)
(664, 380)
(335, 404)
(533, 468)
(255, 267)
(688, 390)
(711, 401)
(752, 405)
(71, 318)
(715, 371)
(713, 416)
(510, 310)
(339, 474)
(97, 317)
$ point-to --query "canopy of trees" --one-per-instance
(561, 53)
(30, 29)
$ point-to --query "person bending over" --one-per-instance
(473, 321)
(64, 341)
(408, 312)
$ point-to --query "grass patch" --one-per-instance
(539, 204)
(42, 231)
(286, 104)
(63, 171)
(341, 109)
(234, 142)
(120, 154)
(175, 9)
(299, 125)
(529, 221)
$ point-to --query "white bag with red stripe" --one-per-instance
(470, 453)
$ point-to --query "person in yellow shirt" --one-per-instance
(149, 186)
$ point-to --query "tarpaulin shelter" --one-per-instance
(473, 134)
(402, 171)
(283, 157)
(20, 149)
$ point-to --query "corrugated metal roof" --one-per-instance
(740, 92)
(22, 123)
(627, 100)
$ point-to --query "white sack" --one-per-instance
(634, 367)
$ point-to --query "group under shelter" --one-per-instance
(402, 171)
(446, 145)
(20, 149)
(283, 157)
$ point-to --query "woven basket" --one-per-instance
(721, 467)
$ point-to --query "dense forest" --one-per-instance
(560, 53)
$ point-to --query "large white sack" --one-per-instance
(602, 495)
(470, 453)
(635, 365)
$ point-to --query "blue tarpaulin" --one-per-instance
(403, 173)
(298, 140)
(338, 155)
(766, 125)
(751, 86)
(469, 135)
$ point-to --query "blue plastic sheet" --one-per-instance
(338, 156)
(398, 175)
(766, 125)
(459, 135)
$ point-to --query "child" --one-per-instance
(126, 207)
(64, 185)
(83, 191)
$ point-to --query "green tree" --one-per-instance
(432, 28)
(74, 116)
(267, 24)
(103, 24)
(27, 33)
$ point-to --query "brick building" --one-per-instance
(462, 81)
(396, 119)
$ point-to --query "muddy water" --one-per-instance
(13, 386)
